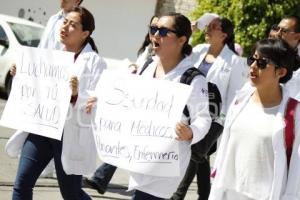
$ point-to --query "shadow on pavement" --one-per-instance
(119, 189)
(114, 188)
(103, 197)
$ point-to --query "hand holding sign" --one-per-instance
(74, 85)
(183, 132)
(13, 69)
(40, 95)
(134, 125)
(90, 103)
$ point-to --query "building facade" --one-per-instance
(183, 6)
(120, 25)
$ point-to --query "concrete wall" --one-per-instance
(182, 6)
(120, 24)
(35, 10)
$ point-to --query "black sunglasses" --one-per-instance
(261, 63)
(162, 31)
(277, 28)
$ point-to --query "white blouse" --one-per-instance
(248, 162)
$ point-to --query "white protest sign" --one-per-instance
(134, 124)
(40, 95)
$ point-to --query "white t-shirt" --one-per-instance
(249, 159)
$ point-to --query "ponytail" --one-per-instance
(230, 43)
(228, 28)
(91, 41)
(186, 49)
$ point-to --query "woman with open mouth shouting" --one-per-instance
(170, 38)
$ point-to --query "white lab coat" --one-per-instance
(50, 38)
(79, 150)
(293, 85)
(229, 72)
(164, 187)
(283, 188)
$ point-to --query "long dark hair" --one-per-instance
(182, 26)
(146, 41)
(228, 28)
(280, 53)
(88, 24)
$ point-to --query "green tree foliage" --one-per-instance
(252, 18)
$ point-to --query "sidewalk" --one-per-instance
(47, 189)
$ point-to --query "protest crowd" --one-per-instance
(167, 113)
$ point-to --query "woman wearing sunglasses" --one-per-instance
(170, 38)
(252, 161)
(105, 172)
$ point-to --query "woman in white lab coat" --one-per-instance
(222, 67)
(76, 153)
(226, 69)
(252, 161)
(170, 43)
(50, 38)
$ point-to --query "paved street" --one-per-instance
(47, 189)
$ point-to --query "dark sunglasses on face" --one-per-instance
(162, 31)
(261, 63)
(277, 28)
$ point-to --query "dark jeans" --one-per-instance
(139, 195)
(36, 154)
(104, 174)
(202, 169)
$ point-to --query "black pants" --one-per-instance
(104, 174)
(36, 153)
(202, 169)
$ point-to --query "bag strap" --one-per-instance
(187, 78)
(290, 127)
(146, 64)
